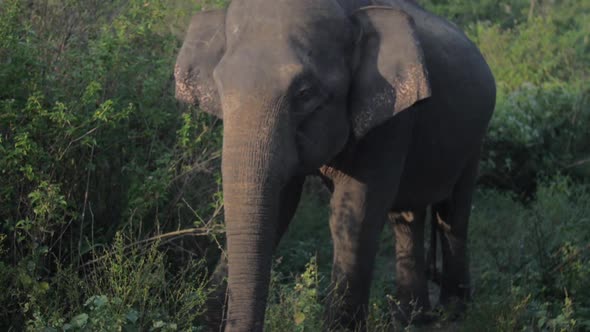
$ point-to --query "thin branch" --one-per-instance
(213, 216)
(201, 231)
(76, 140)
(166, 238)
(578, 163)
(532, 9)
(86, 194)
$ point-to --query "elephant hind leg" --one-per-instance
(412, 290)
(452, 217)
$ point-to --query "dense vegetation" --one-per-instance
(110, 203)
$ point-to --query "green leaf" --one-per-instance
(79, 321)
(159, 324)
(132, 316)
(299, 318)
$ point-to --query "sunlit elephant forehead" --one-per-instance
(280, 18)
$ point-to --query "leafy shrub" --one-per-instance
(92, 140)
(537, 131)
(296, 307)
(505, 13)
(540, 51)
(539, 126)
(539, 254)
(128, 288)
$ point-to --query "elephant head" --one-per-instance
(294, 81)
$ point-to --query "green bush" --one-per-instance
(541, 67)
(296, 307)
(128, 288)
(531, 264)
(537, 131)
(505, 13)
(92, 140)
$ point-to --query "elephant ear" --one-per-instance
(390, 74)
(203, 47)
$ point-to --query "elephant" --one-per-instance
(386, 102)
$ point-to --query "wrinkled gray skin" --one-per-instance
(388, 103)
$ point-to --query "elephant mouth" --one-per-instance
(308, 158)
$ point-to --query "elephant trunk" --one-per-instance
(250, 225)
(254, 172)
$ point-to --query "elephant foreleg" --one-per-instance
(365, 186)
(216, 303)
(355, 225)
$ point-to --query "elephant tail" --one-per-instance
(431, 269)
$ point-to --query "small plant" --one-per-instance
(130, 288)
(296, 307)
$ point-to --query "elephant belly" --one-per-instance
(437, 157)
(423, 186)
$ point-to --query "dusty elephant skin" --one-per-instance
(385, 101)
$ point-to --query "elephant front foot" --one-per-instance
(345, 311)
(412, 311)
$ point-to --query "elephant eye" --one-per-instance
(304, 93)
(308, 96)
